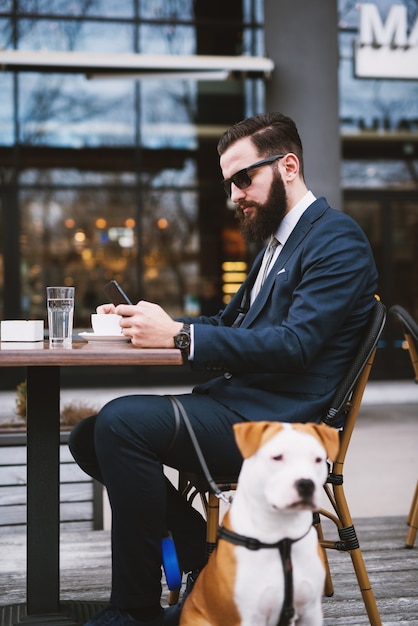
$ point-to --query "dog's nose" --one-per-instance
(305, 487)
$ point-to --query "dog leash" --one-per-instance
(180, 411)
(284, 547)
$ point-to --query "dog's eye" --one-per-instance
(279, 457)
(319, 459)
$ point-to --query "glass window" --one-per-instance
(41, 34)
(69, 110)
(86, 235)
(169, 107)
(172, 9)
(386, 174)
(167, 39)
(104, 8)
(171, 246)
(79, 236)
(1, 260)
(5, 33)
(167, 114)
(391, 225)
(366, 213)
(6, 109)
(75, 178)
(170, 238)
(253, 43)
(253, 40)
(253, 11)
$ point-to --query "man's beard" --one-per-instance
(268, 216)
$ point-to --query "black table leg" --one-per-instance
(43, 429)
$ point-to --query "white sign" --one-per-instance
(386, 50)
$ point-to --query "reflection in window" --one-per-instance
(5, 33)
(401, 239)
(379, 174)
(6, 109)
(86, 236)
(67, 110)
(168, 121)
(81, 237)
(171, 245)
(81, 8)
(1, 261)
(76, 35)
(167, 39)
(174, 9)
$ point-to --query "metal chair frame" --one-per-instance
(410, 332)
(344, 408)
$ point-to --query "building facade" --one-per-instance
(108, 174)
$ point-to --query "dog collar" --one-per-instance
(284, 548)
(254, 544)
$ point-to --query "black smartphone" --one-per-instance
(115, 293)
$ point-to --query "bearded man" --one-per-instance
(279, 349)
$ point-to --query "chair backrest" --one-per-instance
(347, 399)
(410, 330)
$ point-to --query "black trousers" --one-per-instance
(124, 446)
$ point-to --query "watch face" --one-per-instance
(182, 341)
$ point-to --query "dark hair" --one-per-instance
(271, 133)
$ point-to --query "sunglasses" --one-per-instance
(241, 178)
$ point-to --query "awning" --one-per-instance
(96, 65)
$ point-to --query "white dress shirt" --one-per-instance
(284, 231)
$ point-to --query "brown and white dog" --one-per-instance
(284, 469)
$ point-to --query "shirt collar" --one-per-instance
(291, 218)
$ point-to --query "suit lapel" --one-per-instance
(298, 234)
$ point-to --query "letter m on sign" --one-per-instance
(383, 49)
(374, 33)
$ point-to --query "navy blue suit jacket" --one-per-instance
(298, 337)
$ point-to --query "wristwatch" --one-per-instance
(182, 339)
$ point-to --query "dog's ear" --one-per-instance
(250, 436)
(329, 438)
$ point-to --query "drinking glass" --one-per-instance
(60, 303)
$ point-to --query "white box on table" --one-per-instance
(22, 330)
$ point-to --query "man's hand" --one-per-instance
(105, 308)
(147, 324)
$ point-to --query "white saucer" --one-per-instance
(104, 338)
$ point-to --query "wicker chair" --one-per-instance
(410, 331)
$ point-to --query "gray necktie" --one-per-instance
(264, 267)
(262, 275)
(268, 257)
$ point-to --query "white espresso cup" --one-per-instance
(106, 324)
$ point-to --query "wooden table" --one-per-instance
(43, 429)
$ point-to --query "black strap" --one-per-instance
(179, 410)
(284, 547)
(288, 610)
(246, 542)
(243, 309)
(176, 424)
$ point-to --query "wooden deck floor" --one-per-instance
(85, 575)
